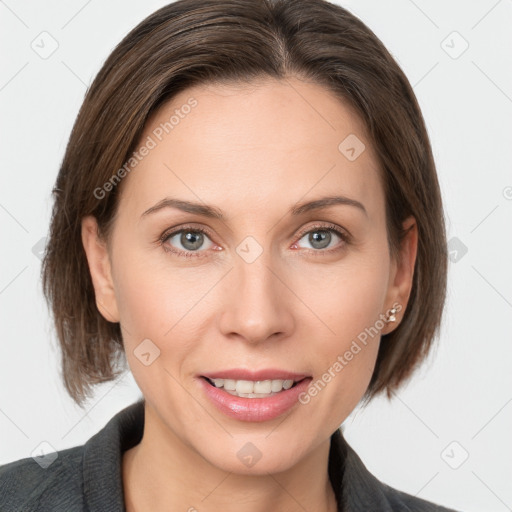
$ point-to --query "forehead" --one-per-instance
(269, 141)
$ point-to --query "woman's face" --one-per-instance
(275, 290)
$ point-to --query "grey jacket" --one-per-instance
(88, 477)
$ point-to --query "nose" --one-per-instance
(258, 304)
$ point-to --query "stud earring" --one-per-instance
(391, 315)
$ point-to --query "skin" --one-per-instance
(275, 143)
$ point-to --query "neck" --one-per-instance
(162, 473)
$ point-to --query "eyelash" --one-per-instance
(197, 254)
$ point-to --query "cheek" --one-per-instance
(349, 302)
(350, 298)
(153, 296)
(154, 303)
(162, 303)
(142, 301)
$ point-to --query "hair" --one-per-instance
(194, 42)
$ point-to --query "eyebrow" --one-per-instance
(215, 213)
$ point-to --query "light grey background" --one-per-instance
(458, 404)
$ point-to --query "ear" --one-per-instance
(402, 273)
(100, 269)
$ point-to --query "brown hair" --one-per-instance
(193, 42)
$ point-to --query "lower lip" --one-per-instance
(254, 409)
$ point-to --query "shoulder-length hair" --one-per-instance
(192, 42)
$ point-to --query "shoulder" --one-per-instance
(85, 477)
(401, 501)
(50, 482)
(360, 490)
(368, 491)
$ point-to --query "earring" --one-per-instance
(390, 317)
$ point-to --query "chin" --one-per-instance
(253, 455)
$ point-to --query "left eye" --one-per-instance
(320, 238)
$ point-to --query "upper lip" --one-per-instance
(265, 374)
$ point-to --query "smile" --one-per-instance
(253, 396)
(253, 389)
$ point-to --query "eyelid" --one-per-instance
(327, 226)
(185, 227)
(343, 233)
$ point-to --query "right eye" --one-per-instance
(185, 241)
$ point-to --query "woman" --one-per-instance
(248, 211)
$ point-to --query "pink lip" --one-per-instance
(254, 409)
(267, 374)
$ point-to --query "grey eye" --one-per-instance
(189, 239)
(319, 238)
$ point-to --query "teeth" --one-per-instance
(276, 385)
(244, 387)
(228, 384)
(263, 386)
(253, 389)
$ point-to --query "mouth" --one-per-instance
(254, 388)
(254, 396)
